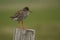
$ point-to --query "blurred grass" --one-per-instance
(45, 18)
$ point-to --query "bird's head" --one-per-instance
(27, 9)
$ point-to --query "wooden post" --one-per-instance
(27, 34)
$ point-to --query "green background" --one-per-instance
(45, 18)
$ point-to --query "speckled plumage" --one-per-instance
(20, 14)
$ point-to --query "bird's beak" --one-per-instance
(30, 11)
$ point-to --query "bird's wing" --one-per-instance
(19, 12)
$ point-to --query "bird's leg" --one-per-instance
(23, 23)
(18, 24)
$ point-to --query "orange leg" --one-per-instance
(19, 24)
(23, 24)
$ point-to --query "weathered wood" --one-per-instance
(27, 34)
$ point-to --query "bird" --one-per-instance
(20, 15)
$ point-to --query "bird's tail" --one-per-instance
(13, 18)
